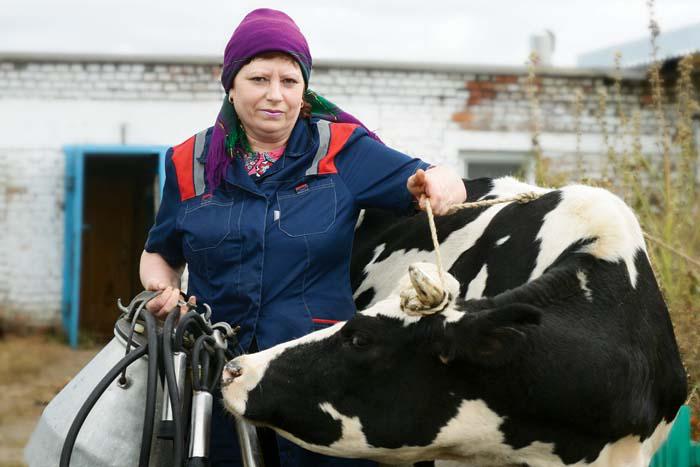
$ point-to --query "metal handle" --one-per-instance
(200, 425)
(180, 363)
(249, 443)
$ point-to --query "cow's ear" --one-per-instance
(493, 337)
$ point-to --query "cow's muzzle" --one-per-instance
(232, 370)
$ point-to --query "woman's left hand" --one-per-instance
(441, 185)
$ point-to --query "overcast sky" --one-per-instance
(458, 31)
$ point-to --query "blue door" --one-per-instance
(77, 159)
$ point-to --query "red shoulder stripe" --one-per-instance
(340, 133)
(182, 159)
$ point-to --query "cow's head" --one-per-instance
(389, 384)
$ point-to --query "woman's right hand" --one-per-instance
(166, 301)
(157, 274)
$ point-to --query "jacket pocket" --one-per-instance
(308, 209)
(212, 242)
(206, 225)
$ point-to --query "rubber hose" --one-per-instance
(151, 390)
(173, 392)
(204, 358)
(220, 362)
(205, 371)
(197, 462)
(201, 358)
(190, 318)
(198, 370)
(87, 406)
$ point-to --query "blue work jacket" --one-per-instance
(271, 254)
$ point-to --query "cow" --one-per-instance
(553, 345)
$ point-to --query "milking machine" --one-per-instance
(106, 415)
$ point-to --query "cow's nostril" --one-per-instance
(232, 371)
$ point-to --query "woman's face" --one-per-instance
(267, 95)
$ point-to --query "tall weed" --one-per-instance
(662, 186)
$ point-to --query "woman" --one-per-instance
(262, 206)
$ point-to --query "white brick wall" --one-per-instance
(46, 104)
(32, 184)
(32, 239)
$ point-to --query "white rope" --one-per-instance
(519, 198)
(433, 235)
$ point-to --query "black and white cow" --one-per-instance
(557, 348)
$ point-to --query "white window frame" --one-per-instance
(458, 142)
(522, 159)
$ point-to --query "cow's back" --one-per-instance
(610, 305)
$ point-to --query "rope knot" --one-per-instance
(423, 293)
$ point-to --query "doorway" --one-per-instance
(118, 211)
(112, 194)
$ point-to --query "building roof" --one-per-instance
(637, 53)
(53, 57)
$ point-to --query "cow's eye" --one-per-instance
(359, 341)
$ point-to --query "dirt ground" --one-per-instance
(32, 370)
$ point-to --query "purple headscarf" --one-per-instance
(262, 30)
